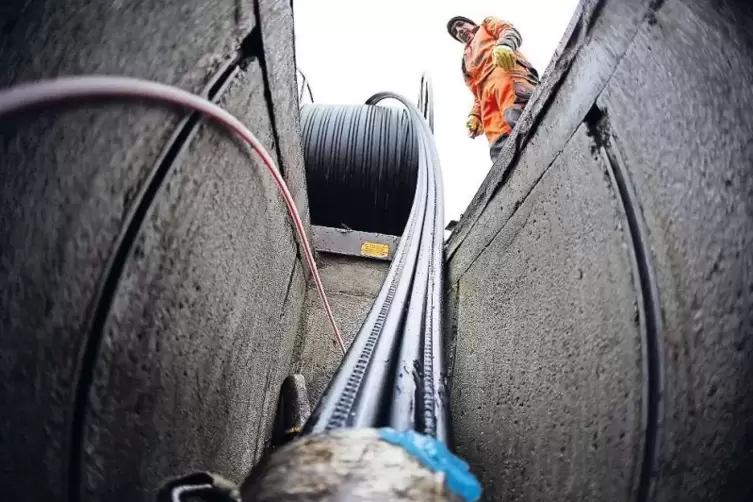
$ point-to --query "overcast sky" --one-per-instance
(351, 49)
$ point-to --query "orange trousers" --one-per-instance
(503, 96)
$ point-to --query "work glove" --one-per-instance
(504, 57)
(474, 126)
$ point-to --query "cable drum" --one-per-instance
(361, 166)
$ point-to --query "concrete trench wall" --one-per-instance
(152, 289)
(600, 285)
(601, 282)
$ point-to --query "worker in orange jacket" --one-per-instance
(500, 78)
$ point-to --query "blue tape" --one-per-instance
(433, 454)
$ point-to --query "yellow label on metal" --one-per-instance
(375, 250)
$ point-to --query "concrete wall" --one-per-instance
(151, 286)
(601, 282)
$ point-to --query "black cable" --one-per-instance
(361, 165)
(394, 372)
(432, 406)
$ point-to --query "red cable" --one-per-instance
(67, 88)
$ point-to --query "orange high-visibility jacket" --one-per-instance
(478, 65)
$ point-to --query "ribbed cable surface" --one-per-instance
(361, 166)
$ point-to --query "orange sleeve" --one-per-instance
(504, 32)
(476, 110)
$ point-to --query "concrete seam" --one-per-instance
(453, 325)
(520, 142)
(296, 356)
(256, 47)
(253, 46)
(599, 128)
(288, 286)
(261, 439)
(139, 210)
(517, 206)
